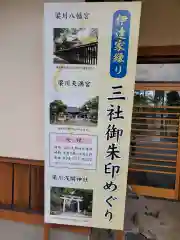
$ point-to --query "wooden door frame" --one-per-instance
(152, 191)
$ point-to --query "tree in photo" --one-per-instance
(173, 98)
(86, 205)
(57, 107)
(90, 109)
(65, 38)
(60, 38)
(87, 36)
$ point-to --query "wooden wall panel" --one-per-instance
(5, 183)
(21, 186)
(37, 188)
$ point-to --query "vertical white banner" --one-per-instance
(90, 52)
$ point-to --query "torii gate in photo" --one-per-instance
(70, 198)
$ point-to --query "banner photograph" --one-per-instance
(90, 55)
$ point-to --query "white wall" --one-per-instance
(21, 78)
(21, 67)
(160, 23)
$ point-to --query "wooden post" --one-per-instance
(119, 235)
(178, 165)
(46, 232)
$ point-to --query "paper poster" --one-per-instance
(90, 52)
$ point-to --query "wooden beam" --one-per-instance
(27, 218)
(22, 161)
(158, 86)
(154, 192)
(74, 229)
(163, 51)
